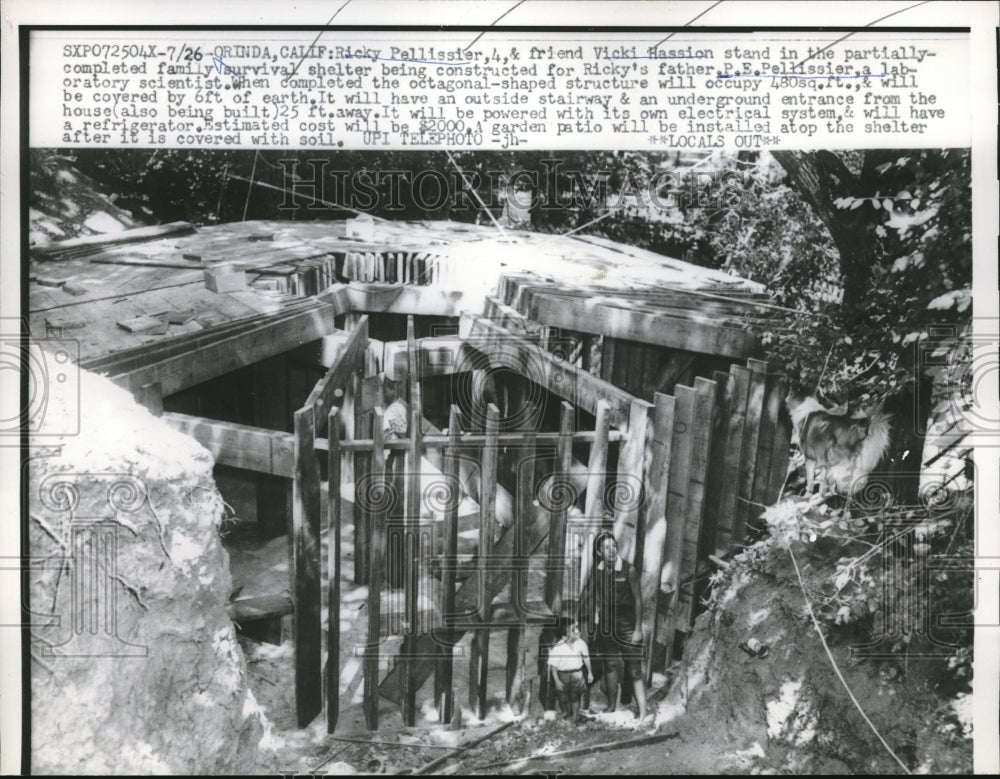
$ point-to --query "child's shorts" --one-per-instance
(573, 685)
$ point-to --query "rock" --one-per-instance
(140, 672)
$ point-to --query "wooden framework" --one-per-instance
(681, 433)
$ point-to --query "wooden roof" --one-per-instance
(84, 288)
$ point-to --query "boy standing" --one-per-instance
(569, 667)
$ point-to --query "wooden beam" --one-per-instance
(443, 687)
(557, 376)
(411, 535)
(349, 358)
(479, 660)
(657, 480)
(333, 558)
(782, 441)
(725, 388)
(305, 522)
(760, 496)
(399, 299)
(376, 480)
(362, 461)
(701, 439)
(526, 467)
(628, 493)
(562, 489)
(224, 356)
(748, 458)
(735, 433)
(673, 552)
(239, 446)
(675, 330)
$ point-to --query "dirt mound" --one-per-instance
(135, 665)
(782, 708)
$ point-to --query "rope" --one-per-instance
(836, 668)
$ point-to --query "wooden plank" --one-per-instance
(305, 522)
(725, 389)
(560, 496)
(526, 467)
(735, 432)
(348, 360)
(557, 376)
(704, 409)
(596, 482)
(680, 462)
(748, 457)
(411, 536)
(443, 687)
(657, 479)
(376, 476)
(219, 357)
(760, 494)
(597, 465)
(608, 346)
(782, 440)
(94, 243)
(674, 329)
(333, 558)
(628, 492)
(487, 518)
(362, 460)
(239, 446)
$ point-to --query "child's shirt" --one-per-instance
(569, 654)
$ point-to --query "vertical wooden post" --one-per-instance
(151, 397)
(526, 466)
(411, 530)
(443, 689)
(735, 432)
(362, 463)
(479, 660)
(751, 438)
(628, 527)
(657, 479)
(586, 347)
(561, 493)
(680, 462)
(333, 572)
(377, 496)
(597, 467)
(704, 408)
(608, 349)
(773, 397)
(305, 521)
(782, 440)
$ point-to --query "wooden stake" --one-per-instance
(305, 521)
(377, 482)
(333, 574)
(487, 516)
(444, 671)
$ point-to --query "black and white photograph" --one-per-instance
(504, 397)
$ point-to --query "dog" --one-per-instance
(847, 447)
